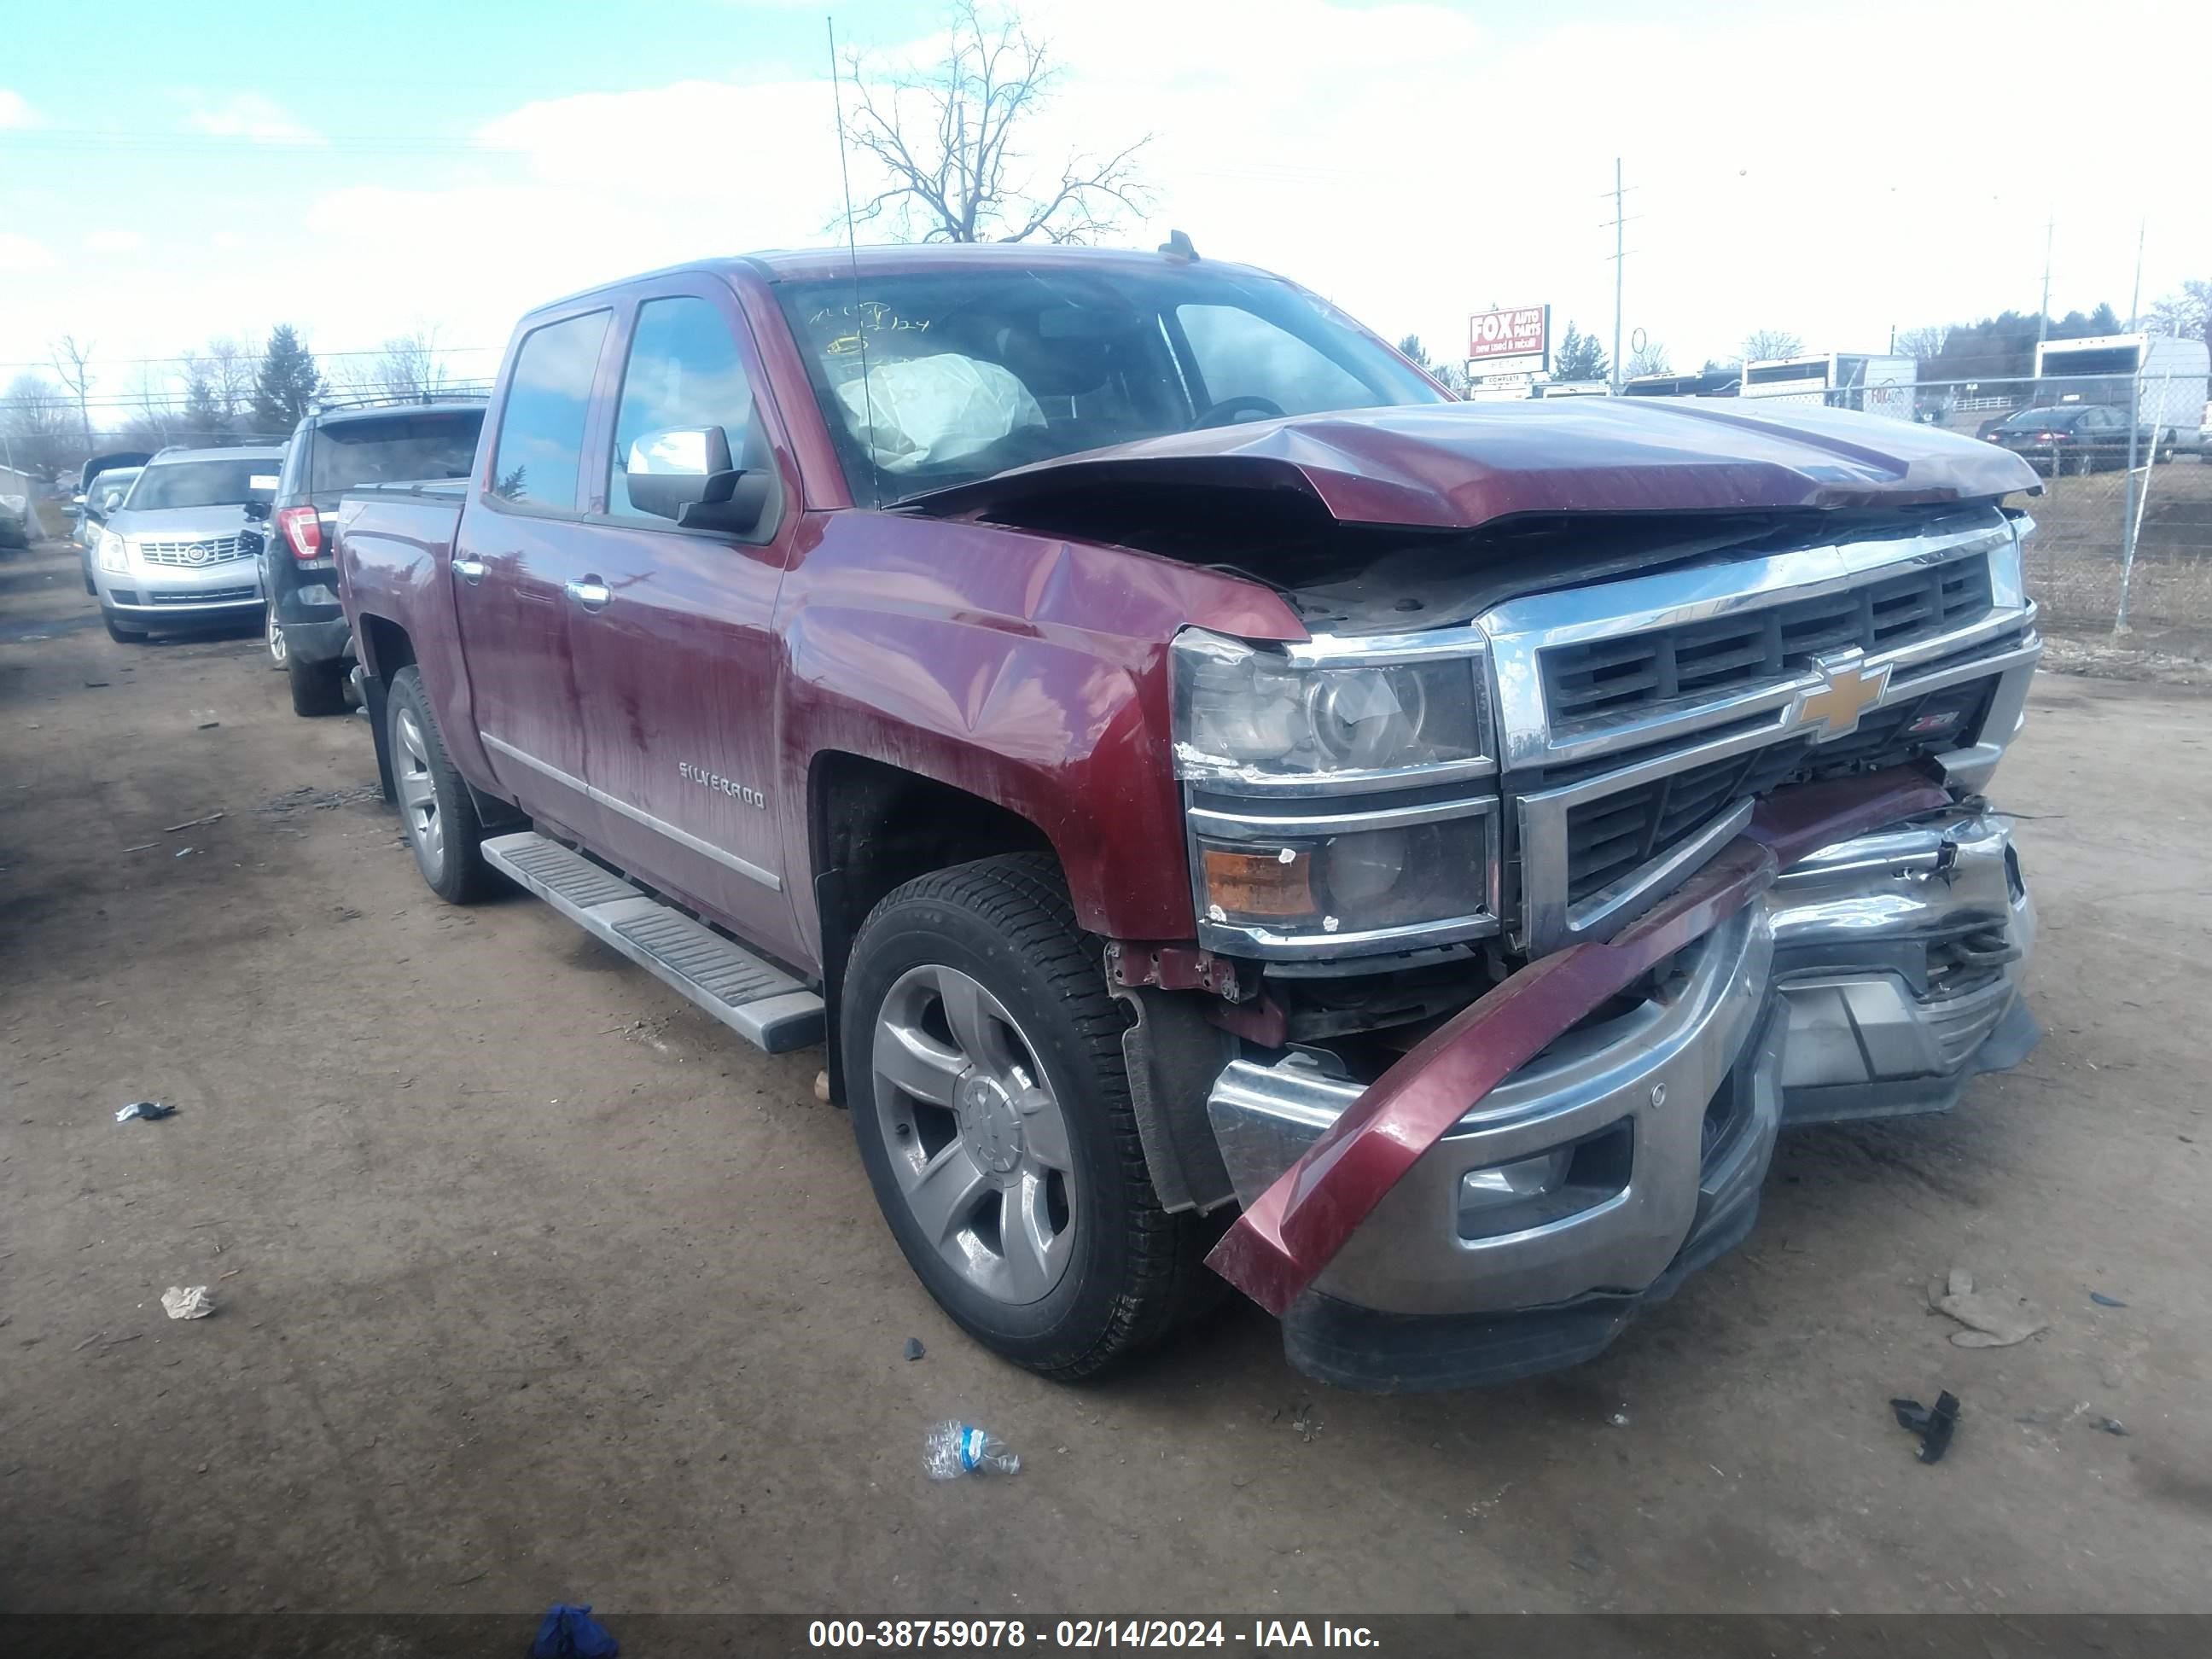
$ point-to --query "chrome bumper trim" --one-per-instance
(1656, 1066)
(1870, 1034)
(1841, 940)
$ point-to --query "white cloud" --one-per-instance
(20, 253)
(15, 112)
(114, 241)
(250, 115)
(1412, 162)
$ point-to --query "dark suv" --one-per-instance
(332, 451)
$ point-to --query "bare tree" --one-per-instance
(2187, 312)
(945, 140)
(1924, 343)
(152, 421)
(1649, 359)
(34, 418)
(409, 366)
(233, 367)
(73, 362)
(1766, 343)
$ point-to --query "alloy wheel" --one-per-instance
(977, 1140)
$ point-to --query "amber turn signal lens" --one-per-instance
(1260, 884)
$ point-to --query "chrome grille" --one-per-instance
(1619, 678)
(1640, 719)
(192, 554)
(1615, 835)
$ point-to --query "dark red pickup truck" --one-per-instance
(1188, 768)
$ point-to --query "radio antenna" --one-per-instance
(852, 256)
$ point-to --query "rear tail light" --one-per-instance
(304, 530)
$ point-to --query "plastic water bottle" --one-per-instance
(953, 1449)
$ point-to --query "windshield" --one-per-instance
(970, 373)
(222, 482)
(107, 490)
(395, 450)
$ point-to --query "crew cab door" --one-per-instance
(519, 558)
(676, 662)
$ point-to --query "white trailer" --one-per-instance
(1872, 382)
(2176, 375)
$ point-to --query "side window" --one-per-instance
(541, 429)
(1242, 354)
(683, 374)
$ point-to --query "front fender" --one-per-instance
(1024, 669)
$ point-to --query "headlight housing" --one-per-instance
(1341, 793)
(114, 553)
(1248, 714)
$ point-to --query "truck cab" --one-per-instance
(1217, 797)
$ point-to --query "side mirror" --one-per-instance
(686, 474)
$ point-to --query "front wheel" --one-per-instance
(982, 1063)
(121, 635)
(442, 828)
(273, 634)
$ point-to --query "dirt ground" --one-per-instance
(534, 1283)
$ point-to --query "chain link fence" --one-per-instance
(2105, 475)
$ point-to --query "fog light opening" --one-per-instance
(1552, 1185)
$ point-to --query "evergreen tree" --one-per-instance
(1580, 357)
(287, 385)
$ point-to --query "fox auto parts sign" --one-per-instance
(1516, 341)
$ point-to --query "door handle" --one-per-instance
(590, 593)
(469, 570)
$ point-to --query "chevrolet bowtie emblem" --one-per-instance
(1849, 689)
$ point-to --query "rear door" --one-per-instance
(678, 665)
(518, 560)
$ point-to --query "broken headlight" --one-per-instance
(1251, 714)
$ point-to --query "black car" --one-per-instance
(332, 451)
(2073, 437)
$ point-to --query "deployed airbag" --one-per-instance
(931, 411)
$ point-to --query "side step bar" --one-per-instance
(764, 1005)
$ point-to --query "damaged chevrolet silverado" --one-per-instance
(1218, 798)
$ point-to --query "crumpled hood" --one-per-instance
(1454, 466)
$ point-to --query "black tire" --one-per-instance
(451, 860)
(318, 688)
(1007, 923)
(120, 634)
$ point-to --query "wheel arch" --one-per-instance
(872, 827)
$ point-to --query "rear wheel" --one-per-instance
(318, 688)
(440, 818)
(982, 1059)
(121, 635)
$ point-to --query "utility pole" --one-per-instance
(2043, 312)
(1619, 269)
(2132, 523)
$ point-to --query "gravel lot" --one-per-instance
(534, 1283)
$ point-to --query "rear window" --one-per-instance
(2045, 419)
(397, 449)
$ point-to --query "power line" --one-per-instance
(253, 362)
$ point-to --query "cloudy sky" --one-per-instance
(182, 170)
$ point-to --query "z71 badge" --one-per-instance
(730, 786)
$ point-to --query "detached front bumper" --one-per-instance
(1874, 979)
